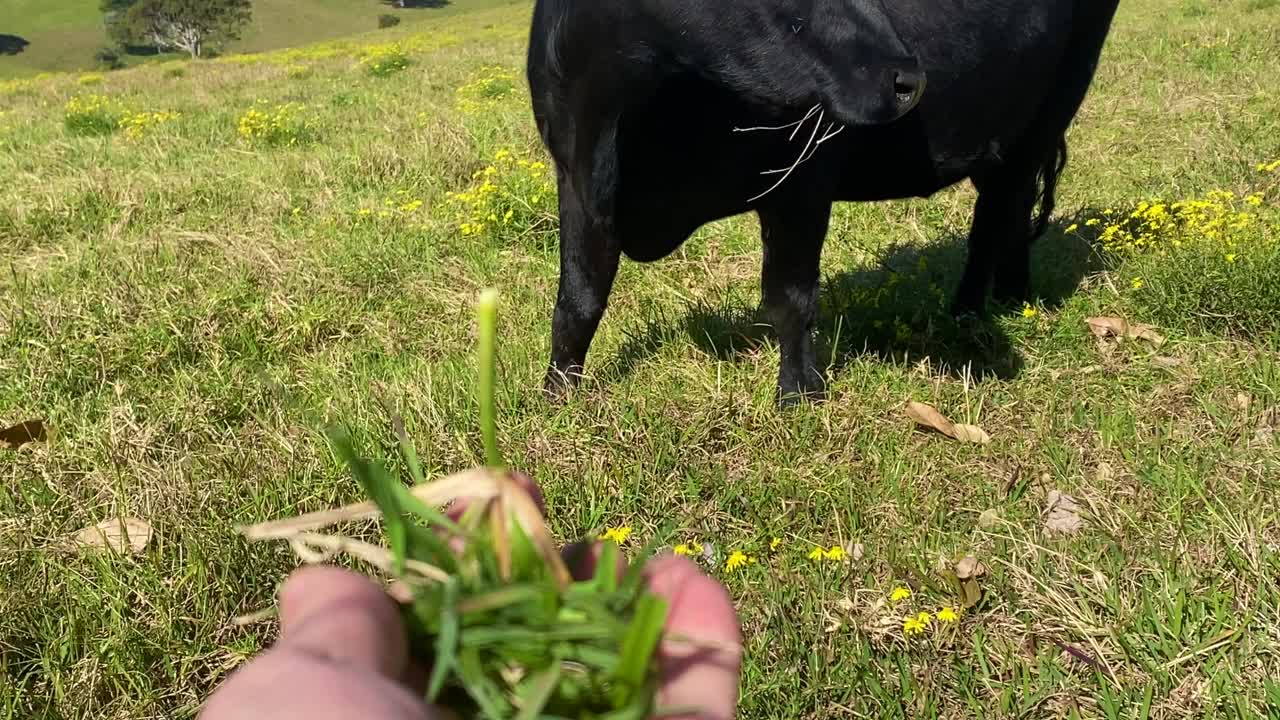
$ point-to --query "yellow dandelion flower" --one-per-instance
(1028, 311)
(692, 548)
(1230, 257)
(736, 560)
(816, 553)
(1254, 199)
(1137, 283)
(618, 535)
(835, 553)
(947, 615)
(1073, 227)
(924, 618)
(912, 626)
(774, 543)
(1092, 222)
(899, 594)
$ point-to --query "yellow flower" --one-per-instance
(774, 543)
(1091, 222)
(899, 594)
(619, 534)
(924, 618)
(1230, 257)
(912, 626)
(692, 548)
(947, 615)
(736, 560)
(816, 553)
(1028, 311)
(835, 553)
(1254, 199)
(1073, 227)
(1137, 283)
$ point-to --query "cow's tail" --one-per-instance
(1051, 167)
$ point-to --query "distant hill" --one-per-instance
(45, 36)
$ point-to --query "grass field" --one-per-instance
(183, 298)
(64, 35)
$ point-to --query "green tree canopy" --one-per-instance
(187, 25)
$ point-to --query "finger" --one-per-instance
(286, 684)
(701, 674)
(342, 617)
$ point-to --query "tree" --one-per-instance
(187, 25)
(113, 16)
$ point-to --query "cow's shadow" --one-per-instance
(12, 44)
(896, 311)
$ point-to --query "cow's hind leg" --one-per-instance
(793, 238)
(589, 254)
(999, 238)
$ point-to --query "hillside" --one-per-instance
(201, 262)
(64, 35)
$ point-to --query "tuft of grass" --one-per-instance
(92, 115)
(283, 125)
(178, 311)
(385, 60)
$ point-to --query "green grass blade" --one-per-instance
(638, 646)
(606, 576)
(482, 690)
(488, 329)
(539, 692)
(380, 487)
(407, 449)
(446, 642)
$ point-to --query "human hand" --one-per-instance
(342, 651)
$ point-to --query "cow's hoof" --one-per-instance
(792, 394)
(558, 385)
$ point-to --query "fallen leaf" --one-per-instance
(1242, 402)
(970, 567)
(1106, 327)
(1063, 514)
(857, 552)
(131, 535)
(988, 519)
(845, 604)
(928, 416)
(967, 572)
(18, 435)
(1105, 473)
(971, 433)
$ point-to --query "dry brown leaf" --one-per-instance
(970, 567)
(1107, 327)
(971, 433)
(967, 573)
(1063, 514)
(988, 519)
(1105, 473)
(16, 436)
(130, 535)
(928, 416)
(1242, 402)
(857, 552)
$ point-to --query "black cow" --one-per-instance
(664, 115)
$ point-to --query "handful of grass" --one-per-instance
(503, 627)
